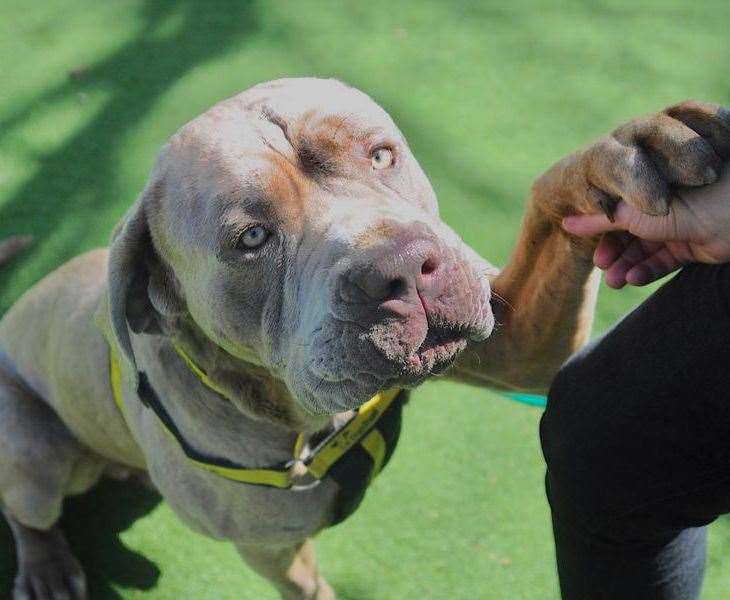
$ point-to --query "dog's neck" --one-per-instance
(249, 386)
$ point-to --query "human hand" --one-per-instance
(636, 248)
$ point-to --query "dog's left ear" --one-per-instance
(142, 289)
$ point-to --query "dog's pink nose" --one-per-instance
(397, 276)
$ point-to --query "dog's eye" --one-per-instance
(253, 238)
(382, 158)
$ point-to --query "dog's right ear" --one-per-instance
(142, 289)
(126, 260)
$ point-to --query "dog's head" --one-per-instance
(292, 224)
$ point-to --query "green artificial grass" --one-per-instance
(489, 94)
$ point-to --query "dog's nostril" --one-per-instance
(396, 288)
(428, 267)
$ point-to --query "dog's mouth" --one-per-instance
(385, 356)
(437, 353)
(409, 351)
(355, 358)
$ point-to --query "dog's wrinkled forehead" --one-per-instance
(296, 100)
(288, 144)
(313, 123)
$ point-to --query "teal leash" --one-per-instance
(531, 399)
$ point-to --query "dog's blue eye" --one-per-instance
(253, 238)
(382, 158)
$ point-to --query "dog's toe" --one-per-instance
(51, 580)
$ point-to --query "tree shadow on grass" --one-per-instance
(66, 196)
(93, 523)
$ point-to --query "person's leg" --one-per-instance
(636, 437)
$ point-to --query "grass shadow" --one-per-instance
(66, 194)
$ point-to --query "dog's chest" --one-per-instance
(226, 509)
(215, 503)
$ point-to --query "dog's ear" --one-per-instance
(142, 289)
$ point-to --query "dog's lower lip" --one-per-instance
(435, 357)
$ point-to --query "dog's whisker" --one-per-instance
(503, 300)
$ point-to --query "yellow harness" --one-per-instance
(360, 431)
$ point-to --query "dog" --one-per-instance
(247, 341)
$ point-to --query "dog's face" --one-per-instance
(297, 230)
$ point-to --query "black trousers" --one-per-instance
(636, 437)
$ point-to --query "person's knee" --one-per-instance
(575, 438)
(563, 425)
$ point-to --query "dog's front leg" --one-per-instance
(545, 297)
(291, 569)
(46, 566)
(543, 303)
